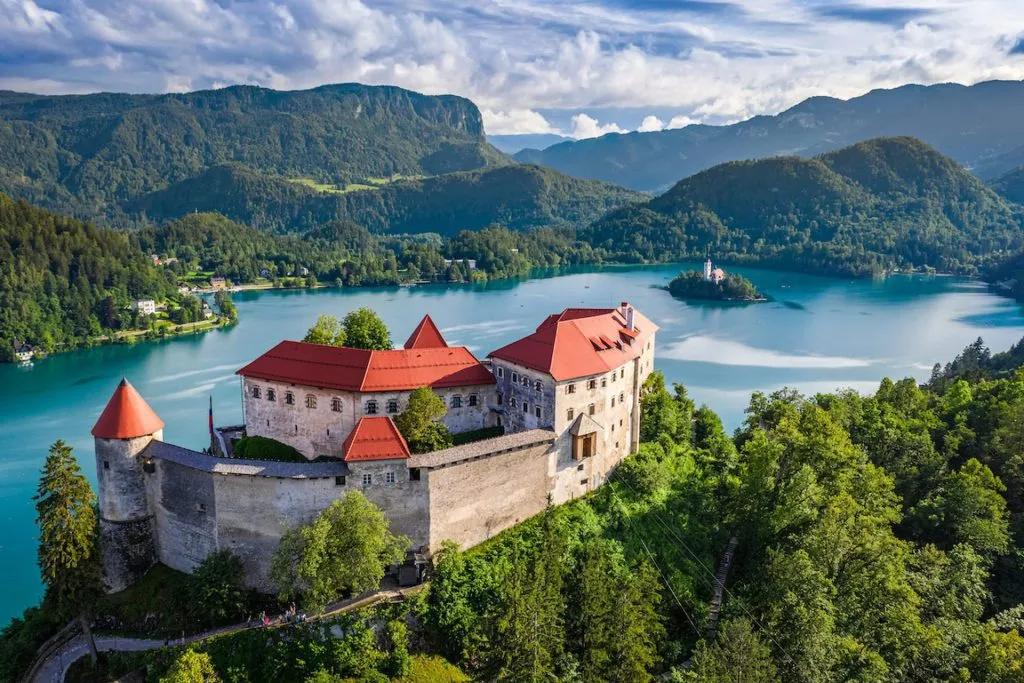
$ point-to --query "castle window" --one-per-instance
(200, 507)
(296, 429)
(526, 381)
(512, 401)
(501, 399)
(393, 405)
(526, 407)
(580, 468)
(255, 392)
(339, 481)
(515, 377)
(569, 414)
(289, 398)
(310, 401)
(583, 481)
(613, 401)
(501, 371)
(622, 373)
(268, 422)
(570, 388)
(590, 409)
(613, 427)
(456, 401)
(371, 408)
(414, 474)
(389, 478)
(336, 405)
(536, 411)
(473, 400)
(367, 480)
(613, 376)
(622, 397)
(537, 386)
(106, 464)
(591, 384)
(271, 395)
(604, 382)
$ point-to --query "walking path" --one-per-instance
(55, 667)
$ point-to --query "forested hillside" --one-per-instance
(890, 203)
(63, 282)
(345, 253)
(979, 126)
(87, 155)
(1011, 185)
(864, 538)
(517, 196)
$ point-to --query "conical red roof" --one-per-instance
(126, 416)
(426, 336)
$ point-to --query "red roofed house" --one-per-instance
(579, 374)
(312, 397)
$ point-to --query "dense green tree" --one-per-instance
(420, 423)
(217, 593)
(327, 330)
(738, 655)
(69, 556)
(344, 550)
(365, 330)
(191, 667)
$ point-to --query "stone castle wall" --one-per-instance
(322, 430)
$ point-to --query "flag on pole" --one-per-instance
(211, 415)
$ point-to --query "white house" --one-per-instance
(145, 306)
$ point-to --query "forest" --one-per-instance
(880, 206)
(64, 282)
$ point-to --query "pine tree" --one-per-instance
(68, 538)
(637, 627)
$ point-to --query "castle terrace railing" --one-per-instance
(161, 450)
(486, 448)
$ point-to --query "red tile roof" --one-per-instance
(426, 336)
(126, 416)
(375, 438)
(580, 342)
(346, 369)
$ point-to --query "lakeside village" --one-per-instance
(542, 420)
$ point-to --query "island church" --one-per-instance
(566, 397)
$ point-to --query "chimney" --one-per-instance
(623, 307)
(629, 318)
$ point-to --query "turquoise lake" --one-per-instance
(818, 335)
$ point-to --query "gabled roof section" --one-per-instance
(426, 336)
(346, 369)
(375, 438)
(583, 425)
(580, 342)
(126, 416)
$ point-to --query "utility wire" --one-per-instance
(714, 578)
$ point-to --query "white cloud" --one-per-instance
(680, 121)
(514, 122)
(705, 349)
(651, 124)
(514, 58)
(584, 126)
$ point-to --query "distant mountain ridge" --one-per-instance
(517, 196)
(87, 155)
(510, 144)
(883, 204)
(979, 126)
(1011, 185)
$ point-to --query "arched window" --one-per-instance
(255, 391)
(456, 401)
(371, 408)
(310, 401)
(393, 405)
(336, 404)
(289, 398)
(271, 395)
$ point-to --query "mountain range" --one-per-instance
(879, 205)
(979, 126)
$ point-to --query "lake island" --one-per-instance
(714, 285)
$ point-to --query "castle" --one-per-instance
(567, 397)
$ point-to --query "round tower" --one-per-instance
(125, 428)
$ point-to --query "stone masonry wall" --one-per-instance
(185, 519)
(322, 430)
(472, 501)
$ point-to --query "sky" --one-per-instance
(578, 68)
